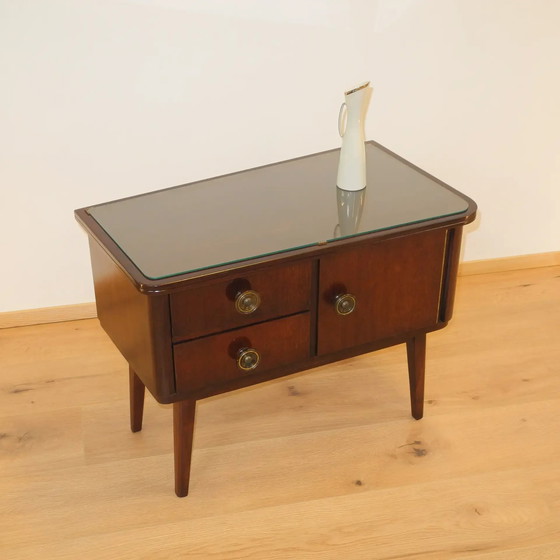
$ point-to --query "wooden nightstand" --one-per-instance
(215, 285)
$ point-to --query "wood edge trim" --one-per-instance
(506, 264)
(27, 317)
(76, 312)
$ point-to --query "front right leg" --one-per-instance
(416, 353)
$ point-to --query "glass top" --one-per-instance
(268, 210)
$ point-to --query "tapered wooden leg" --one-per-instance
(137, 391)
(416, 353)
(183, 427)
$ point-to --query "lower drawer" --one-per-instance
(227, 356)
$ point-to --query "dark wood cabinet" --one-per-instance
(202, 311)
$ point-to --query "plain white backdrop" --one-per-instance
(101, 99)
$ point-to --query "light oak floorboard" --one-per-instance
(539, 552)
(518, 262)
(326, 464)
(42, 315)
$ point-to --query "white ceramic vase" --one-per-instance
(351, 127)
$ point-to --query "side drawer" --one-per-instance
(395, 284)
(207, 309)
(214, 359)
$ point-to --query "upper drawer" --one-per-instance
(241, 300)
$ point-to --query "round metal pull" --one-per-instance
(344, 304)
(247, 302)
(247, 359)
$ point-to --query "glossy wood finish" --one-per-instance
(325, 465)
(404, 285)
(275, 209)
(416, 354)
(397, 285)
(137, 324)
(183, 428)
(137, 390)
(210, 361)
(408, 198)
(450, 272)
(181, 335)
(210, 308)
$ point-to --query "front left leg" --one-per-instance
(416, 353)
(183, 428)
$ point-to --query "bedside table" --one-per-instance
(220, 284)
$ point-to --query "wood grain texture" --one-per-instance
(137, 392)
(505, 264)
(27, 317)
(183, 430)
(327, 464)
(41, 315)
(138, 325)
(210, 308)
(396, 284)
(416, 356)
(212, 360)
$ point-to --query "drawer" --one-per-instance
(272, 292)
(220, 358)
(396, 285)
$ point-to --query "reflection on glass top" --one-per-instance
(268, 210)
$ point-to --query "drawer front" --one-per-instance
(208, 309)
(215, 359)
(394, 287)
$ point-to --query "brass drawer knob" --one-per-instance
(345, 304)
(247, 359)
(247, 302)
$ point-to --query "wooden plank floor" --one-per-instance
(323, 465)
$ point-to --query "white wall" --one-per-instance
(104, 99)
(470, 91)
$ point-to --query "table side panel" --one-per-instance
(138, 324)
(450, 271)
